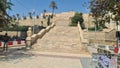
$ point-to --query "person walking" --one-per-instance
(5, 39)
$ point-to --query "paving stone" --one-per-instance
(62, 38)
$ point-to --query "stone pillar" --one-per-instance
(28, 39)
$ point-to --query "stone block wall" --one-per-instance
(102, 37)
(110, 35)
(31, 22)
(10, 33)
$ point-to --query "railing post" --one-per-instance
(28, 39)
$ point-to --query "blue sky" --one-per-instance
(24, 6)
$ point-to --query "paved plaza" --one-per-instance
(59, 48)
(28, 60)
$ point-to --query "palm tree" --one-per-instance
(14, 17)
(13, 20)
(4, 17)
(37, 16)
(30, 15)
(24, 17)
(18, 16)
(44, 11)
(53, 6)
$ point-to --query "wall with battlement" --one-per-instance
(11, 33)
(58, 16)
(31, 22)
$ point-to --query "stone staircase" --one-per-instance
(61, 39)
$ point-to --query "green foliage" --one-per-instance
(99, 9)
(77, 18)
(53, 5)
(4, 16)
(93, 29)
(100, 24)
(16, 28)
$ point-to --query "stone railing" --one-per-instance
(97, 37)
(31, 39)
(106, 37)
(110, 36)
(84, 42)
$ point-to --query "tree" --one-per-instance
(30, 15)
(44, 11)
(13, 20)
(4, 17)
(53, 6)
(18, 16)
(37, 16)
(77, 18)
(96, 11)
(24, 17)
(114, 8)
(100, 10)
(14, 17)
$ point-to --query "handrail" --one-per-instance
(81, 34)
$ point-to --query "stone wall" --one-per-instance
(102, 37)
(68, 15)
(10, 33)
(110, 37)
(58, 17)
(98, 37)
(31, 22)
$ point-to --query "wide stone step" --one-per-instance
(62, 39)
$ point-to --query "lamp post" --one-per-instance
(117, 37)
(110, 15)
(95, 36)
(34, 22)
(88, 30)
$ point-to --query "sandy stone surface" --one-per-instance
(62, 39)
(23, 59)
(59, 48)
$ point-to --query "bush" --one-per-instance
(16, 28)
(93, 29)
(77, 18)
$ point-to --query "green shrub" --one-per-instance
(72, 24)
(16, 28)
(77, 18)
(93, 29)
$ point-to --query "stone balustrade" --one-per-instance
(106, 37)
(84, 42)
(41, 33)
(48, 28)
(52, 25)
(31, 39)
